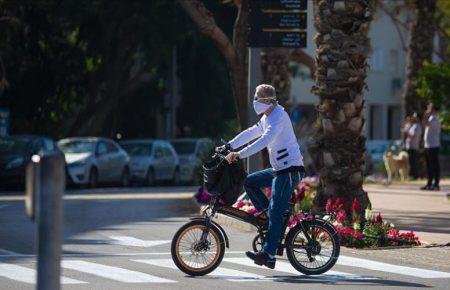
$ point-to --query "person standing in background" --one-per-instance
(412, 141)
(432, 143)
(404, 131)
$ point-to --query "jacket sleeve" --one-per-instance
(246, 136)
(272, 130)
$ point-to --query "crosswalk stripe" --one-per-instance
(27, 275)
(287, 268)
(113, 273)
(385, 267)
(130, 241)
(221, 273)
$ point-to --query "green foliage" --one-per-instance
(433, 84)
(67, 60)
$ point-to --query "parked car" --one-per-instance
(152, 161)
(16, 152)
(192, 152)
(94, 160)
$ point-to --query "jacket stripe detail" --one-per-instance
(282, 150)
(282, 156)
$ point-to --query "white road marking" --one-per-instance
(27, 275)
(130, 241)
(113, 273)
(385, 267)
(221, 273)
(109, 254)
(287, 268)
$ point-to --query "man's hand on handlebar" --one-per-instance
(232, 156)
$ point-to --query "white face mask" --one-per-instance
(260, 107)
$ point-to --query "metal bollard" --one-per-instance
(48, 187)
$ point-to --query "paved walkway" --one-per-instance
(425, 212)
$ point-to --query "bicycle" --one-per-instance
(312, 245)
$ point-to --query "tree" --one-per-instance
(235, 53)
(342, 49)
(433, 84)
(420, 48)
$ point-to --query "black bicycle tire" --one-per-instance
(211, 268)
(336, 248)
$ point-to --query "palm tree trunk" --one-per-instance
(342, 49)
(420, 48)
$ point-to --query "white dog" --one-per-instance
(396, 164)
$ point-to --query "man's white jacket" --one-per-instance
(275, 132)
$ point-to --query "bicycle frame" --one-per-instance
(215, 207)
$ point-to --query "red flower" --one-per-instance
(340, 217)
(346, 231)
(251, 210)
(268, 191)
(355, 205)
(358, 235)
(240, 204)
(378, 218)
(329, 205)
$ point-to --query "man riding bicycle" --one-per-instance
(273, 131)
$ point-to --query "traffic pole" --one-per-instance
(254, 162)
(49, 218)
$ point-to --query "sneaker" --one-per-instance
(435, 187)
(262, 258)
(426, 187)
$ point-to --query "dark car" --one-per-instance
(16, 152)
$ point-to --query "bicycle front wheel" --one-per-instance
(316, 256)
(194, 256)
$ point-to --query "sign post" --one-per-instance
(272, 23)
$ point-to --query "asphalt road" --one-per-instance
(120, 239)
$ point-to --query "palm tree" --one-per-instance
(342, 49)
(420, 48)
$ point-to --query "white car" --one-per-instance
(152, 160)
(92, 160)
(192, 152)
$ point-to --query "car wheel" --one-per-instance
(150, 177)
(125, 180)
(176, 177)
(93, 177)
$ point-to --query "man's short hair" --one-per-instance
(265, 91)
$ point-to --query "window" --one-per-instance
(394, 122)
(49, 145)
(376, 60)
(167, 151)
(111, 148)
(158, 151)
(138, 149)
(101, 148)
(394, 61)
(375, 130)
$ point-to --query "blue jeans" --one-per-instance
(282, 187)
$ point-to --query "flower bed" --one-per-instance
(374, 232)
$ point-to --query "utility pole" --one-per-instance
(272, 23)
(254, 162)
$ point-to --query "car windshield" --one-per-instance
(184, 147)
(77, 146)
(138, 149)
(13, 146)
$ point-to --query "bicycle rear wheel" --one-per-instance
(316, 256)
(193, 256)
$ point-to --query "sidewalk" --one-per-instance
(427, 213)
